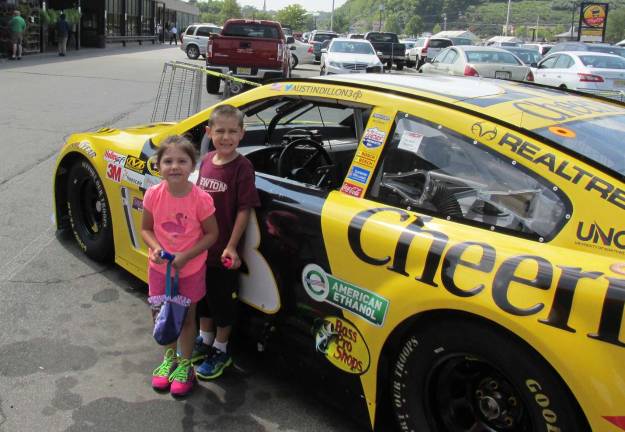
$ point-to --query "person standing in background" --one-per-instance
(17, 25)
(62, 33)
(173, 34)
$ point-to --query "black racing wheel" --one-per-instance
(301, 159)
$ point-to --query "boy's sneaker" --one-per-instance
(200, 350)
(182, 378)
(214, 365)
(160, 375)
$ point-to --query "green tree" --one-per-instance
(437, 28)
(230, 9)
(293, 16)
(391, 24)
(414, 26)
(615, 29)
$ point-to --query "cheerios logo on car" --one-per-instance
(343, 345)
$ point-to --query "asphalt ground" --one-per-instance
(76, 351)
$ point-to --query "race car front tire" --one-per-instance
(88, 211)
(460, 374)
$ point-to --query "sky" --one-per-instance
(309, 5)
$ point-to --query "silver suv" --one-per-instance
(195, 39)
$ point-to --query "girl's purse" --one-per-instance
(173, 308)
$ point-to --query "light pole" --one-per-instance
(332, 17)
(507, 18)
(444, 22)
(381, 10)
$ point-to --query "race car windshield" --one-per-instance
(600, 139)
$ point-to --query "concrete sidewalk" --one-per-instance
(53, 56)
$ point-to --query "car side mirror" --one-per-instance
(290, 39)
(534, 64)
(324, 50)
(292, 47)
(379, 53)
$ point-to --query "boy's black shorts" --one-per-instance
(222, 286)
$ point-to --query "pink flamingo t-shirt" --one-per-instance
(177, 222)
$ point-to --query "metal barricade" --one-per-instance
(181, 87)
(179, 92)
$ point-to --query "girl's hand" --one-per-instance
(180, 260)
(231, 255)
(155, 256)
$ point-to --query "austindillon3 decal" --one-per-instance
(324, 287)
(343, 345)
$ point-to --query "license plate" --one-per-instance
(619, 83)
(502, 75)
(244, 70)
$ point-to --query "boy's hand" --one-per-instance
(180, 260)
(155, 256)
(230, 254)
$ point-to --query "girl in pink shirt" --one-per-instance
(178, 218)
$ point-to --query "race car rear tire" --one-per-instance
(461, 375)
(89, 213)
(212, 84)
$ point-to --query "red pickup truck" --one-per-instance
(250, 49)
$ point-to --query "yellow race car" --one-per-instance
(451, 250)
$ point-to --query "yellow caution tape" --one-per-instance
(224, 76)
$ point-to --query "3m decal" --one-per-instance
(366, 158)
(114, 157)
(113, 172)
(351, 189)
(373, 138)
(358, 174)
(505, 273)
(135, 164)
(343, 345)
(565, 169)
(152, 166)
(594, 236)
(323, 287)
(133, 177)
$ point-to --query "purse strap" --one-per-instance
(171, 289)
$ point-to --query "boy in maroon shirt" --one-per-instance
(229, 178)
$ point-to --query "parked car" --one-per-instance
(317, 38)
(451, 254)
(582, 70)
(433, 46)
(542, 48)
(355, 36)
(593, 47)
(195, 39)
(254, 50)
(479, 61)
(409, 44)
(415, 55)
(530, 57)
(390, 49)
(349, 56)
(302, 54)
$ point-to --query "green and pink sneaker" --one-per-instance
(182, 378)
(160, 375)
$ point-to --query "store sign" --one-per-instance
(592, 21)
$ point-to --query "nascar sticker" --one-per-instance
(324, 287)
(374, 137)
(343, 345)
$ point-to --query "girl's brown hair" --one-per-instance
(179, 142)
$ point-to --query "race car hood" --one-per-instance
(130, 138)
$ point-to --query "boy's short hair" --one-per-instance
(226, 110)
(176, 141)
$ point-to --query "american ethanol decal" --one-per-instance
(324, 287)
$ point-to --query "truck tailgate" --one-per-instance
(248, 52)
